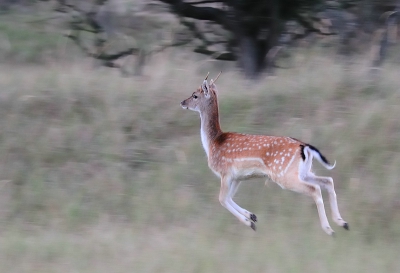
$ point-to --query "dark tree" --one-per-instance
(253, 27)
(248, 32)
(95, 29)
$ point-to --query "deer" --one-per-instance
(236, 157)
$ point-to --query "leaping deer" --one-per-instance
(236, 157)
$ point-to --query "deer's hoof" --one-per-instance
(346, 226)
(253, 226)
(329, 231)
(253, 217)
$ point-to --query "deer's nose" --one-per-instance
(183, 105)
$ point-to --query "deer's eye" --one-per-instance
(194, 96)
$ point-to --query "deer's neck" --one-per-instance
(210, 127)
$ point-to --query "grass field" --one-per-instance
(100, 173)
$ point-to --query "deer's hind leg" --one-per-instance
(327, 183)
(313, 190)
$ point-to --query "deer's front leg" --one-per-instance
(225, 200)
(233, 189)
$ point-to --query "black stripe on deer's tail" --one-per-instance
(315, 150)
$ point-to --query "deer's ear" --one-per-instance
(205, 88)
(212, 85)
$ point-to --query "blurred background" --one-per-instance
(102, 171)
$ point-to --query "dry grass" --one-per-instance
(100, 173)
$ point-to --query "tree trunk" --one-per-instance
(257, 31)
(249, 55)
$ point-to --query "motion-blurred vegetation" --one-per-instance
(103, 173)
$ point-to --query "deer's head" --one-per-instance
(203, 97)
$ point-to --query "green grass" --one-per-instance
(100, 173)
(29, 38)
